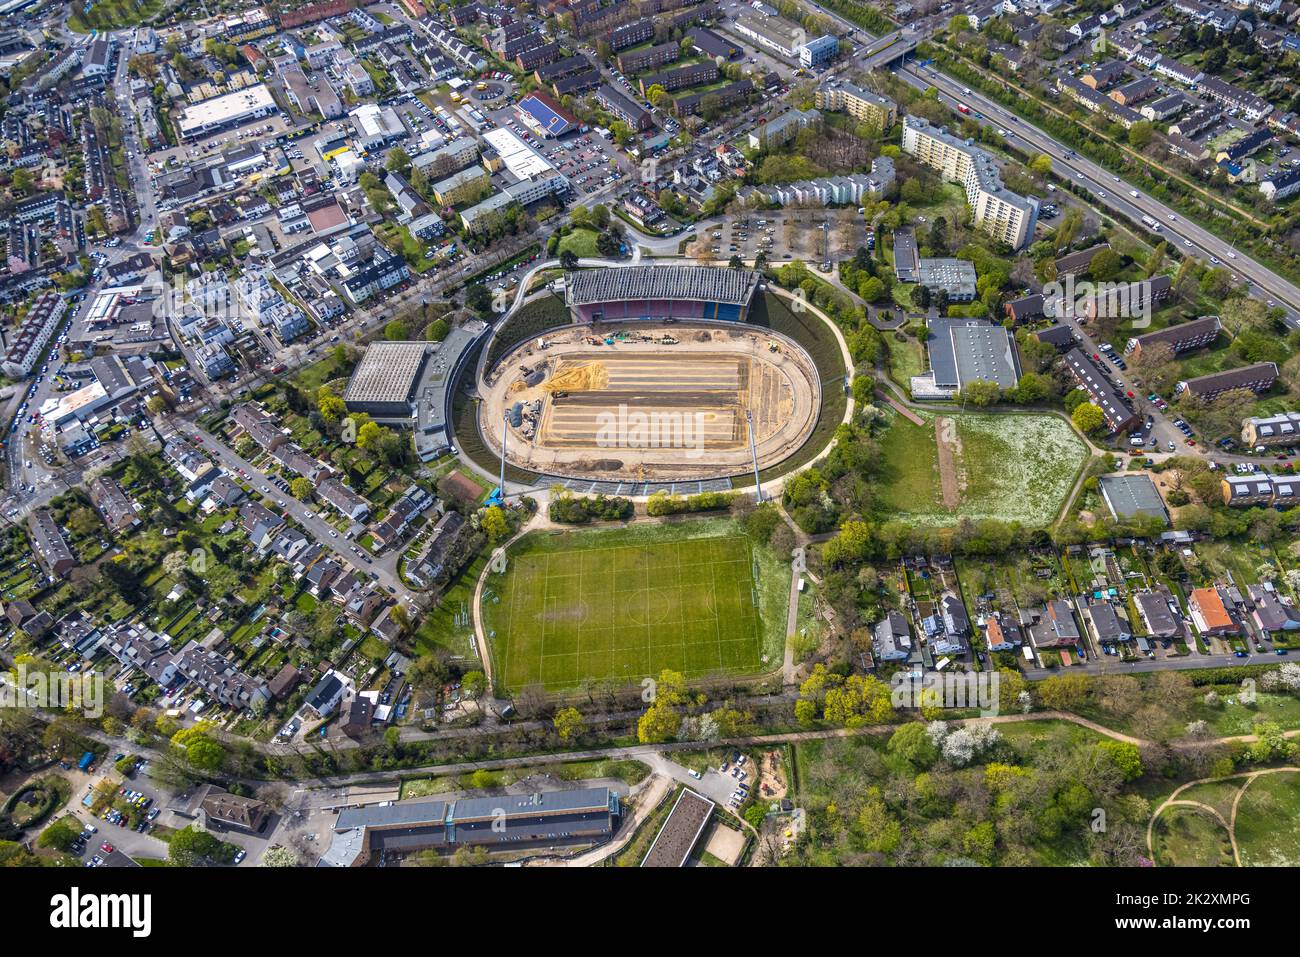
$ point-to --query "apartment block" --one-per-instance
(1004, 215)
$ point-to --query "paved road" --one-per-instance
(384, 566)
(1106, 665)
(1111, 192)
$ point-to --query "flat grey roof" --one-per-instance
(387, 373)
(906, 260)
(955, 276)
(1131, 495)
(964, 350)
(429, 812)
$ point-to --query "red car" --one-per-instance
(106, 847)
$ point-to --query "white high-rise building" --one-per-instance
(1004, 215)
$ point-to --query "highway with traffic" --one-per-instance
(1107, 190)
(1111, 192)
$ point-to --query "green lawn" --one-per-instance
(906, 359)
(910, 472)
(449, 625)
(623, 605)
(311, 378)
(113, 14)
(1189, 837)
(1010, 467)
(1266, 832)
(580, 242)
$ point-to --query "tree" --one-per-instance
(330, 406)
(478, 298)
(61, 834)
(1105, 265)
(199, 749)
(494, 524)
(1243, 313)
(1033, 388)
(1154, 364)
(1064, 692)
(1125, 756)
(1140, 134)
(190, 847)
(280, 856)
(1041, 164)
(880, 832)
(569, 723)
(661, 721)
(912, 743)
(1088, 419)
(474, 684)
(568, 260)
(397, 160)
(981, 393)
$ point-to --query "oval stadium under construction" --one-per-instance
(652, 387)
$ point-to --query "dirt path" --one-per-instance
(945, 441)
(901, 409)
(1230, 824)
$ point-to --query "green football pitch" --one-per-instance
(625, 611)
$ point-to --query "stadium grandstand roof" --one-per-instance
(700, 283)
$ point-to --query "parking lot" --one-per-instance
(784, 235)
(587, 159)
(111, 830)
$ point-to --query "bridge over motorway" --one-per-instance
(888, 49)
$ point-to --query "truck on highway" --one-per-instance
(963, 108)
(1151, 224)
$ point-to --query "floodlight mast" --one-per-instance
(505, 437)
(753, 451)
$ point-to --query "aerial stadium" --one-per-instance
(658, 378)
(661, 292)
